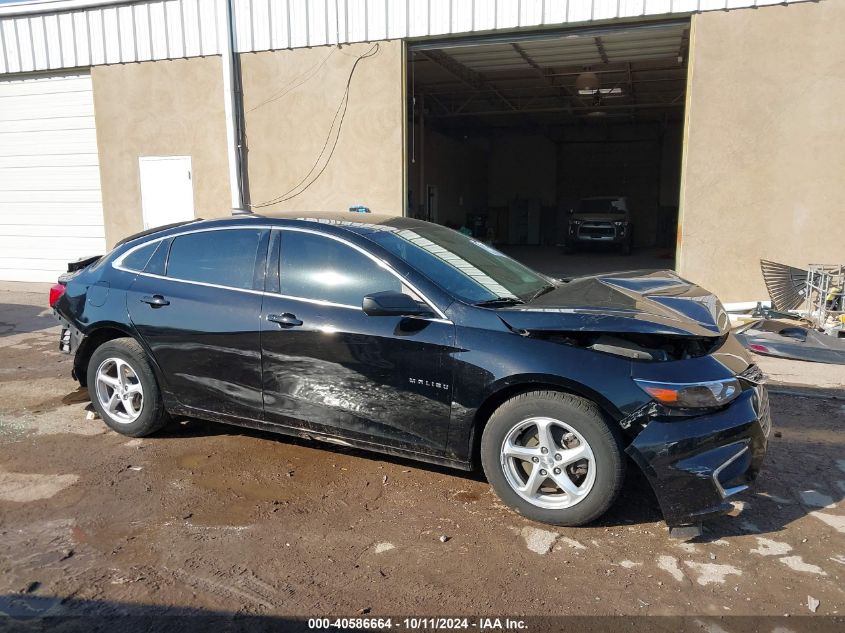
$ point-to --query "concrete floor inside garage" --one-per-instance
(506, 136)
(551, 261)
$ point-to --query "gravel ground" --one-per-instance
(206, 517)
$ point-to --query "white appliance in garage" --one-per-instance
(51, 209)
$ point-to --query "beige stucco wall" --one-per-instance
(163, 108)
(765, 157)
(291, 98)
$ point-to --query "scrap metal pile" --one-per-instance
(806, 320)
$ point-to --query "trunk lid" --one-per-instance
(645, 302)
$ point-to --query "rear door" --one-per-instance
(331, 368)
(197, 306)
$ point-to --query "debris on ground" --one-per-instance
(812, 604)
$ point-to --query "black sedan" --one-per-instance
(405, 337)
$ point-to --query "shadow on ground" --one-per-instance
(16, 318)
(26, 612)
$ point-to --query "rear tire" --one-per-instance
(569, 478)
(124, 390)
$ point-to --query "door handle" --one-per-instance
(285, 320)
(156, 301)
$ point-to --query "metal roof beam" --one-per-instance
(600, 48)
(545, 73)
(586, 108)
(468, 76)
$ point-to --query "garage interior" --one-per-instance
(507, 134)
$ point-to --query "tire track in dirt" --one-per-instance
(243, 587)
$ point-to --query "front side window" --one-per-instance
(224, 258)
(322, 269)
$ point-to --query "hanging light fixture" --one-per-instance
(587, 82)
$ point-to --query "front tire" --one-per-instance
(553, 458)
(124, 390)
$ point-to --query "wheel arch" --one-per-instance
(96, 337)
(518, 385)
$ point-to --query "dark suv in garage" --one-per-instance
(397, 335)
(600, 220)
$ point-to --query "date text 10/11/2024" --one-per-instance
(481, 624)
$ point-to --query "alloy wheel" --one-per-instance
(548, 463)
(119, 390)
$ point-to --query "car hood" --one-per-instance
(599, 217)
(647, 302)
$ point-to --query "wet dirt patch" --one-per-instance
(235, 492)
(467, 496)
(78, 396)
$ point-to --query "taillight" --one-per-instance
(56, 291)
(762, 349)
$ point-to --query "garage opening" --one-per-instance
(563, 150)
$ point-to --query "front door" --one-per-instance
(200, 318)
(329, 367)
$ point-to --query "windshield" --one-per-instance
(601, 205)
(461, 265)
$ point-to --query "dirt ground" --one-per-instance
(207, 517)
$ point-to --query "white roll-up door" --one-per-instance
(51, 209)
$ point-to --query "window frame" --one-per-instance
(439, 315)
(258, 268)
(267, 245)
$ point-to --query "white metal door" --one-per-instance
(167, 193)
(51, 209)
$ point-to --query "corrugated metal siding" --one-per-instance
(140, 31)
(167, 29)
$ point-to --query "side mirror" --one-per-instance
(392, 303)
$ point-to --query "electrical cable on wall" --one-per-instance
(296, 82)
(332, 138)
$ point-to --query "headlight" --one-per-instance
(697, 395)
(575, 221)
(620, 222)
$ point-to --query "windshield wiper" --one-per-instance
(499, 301)
(542, 291)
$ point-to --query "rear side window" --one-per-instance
(224, 258)
(323, 269)
(137, 260)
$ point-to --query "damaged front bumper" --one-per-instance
(695, 464)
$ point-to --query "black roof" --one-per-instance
(344, 217)
(356, 222)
